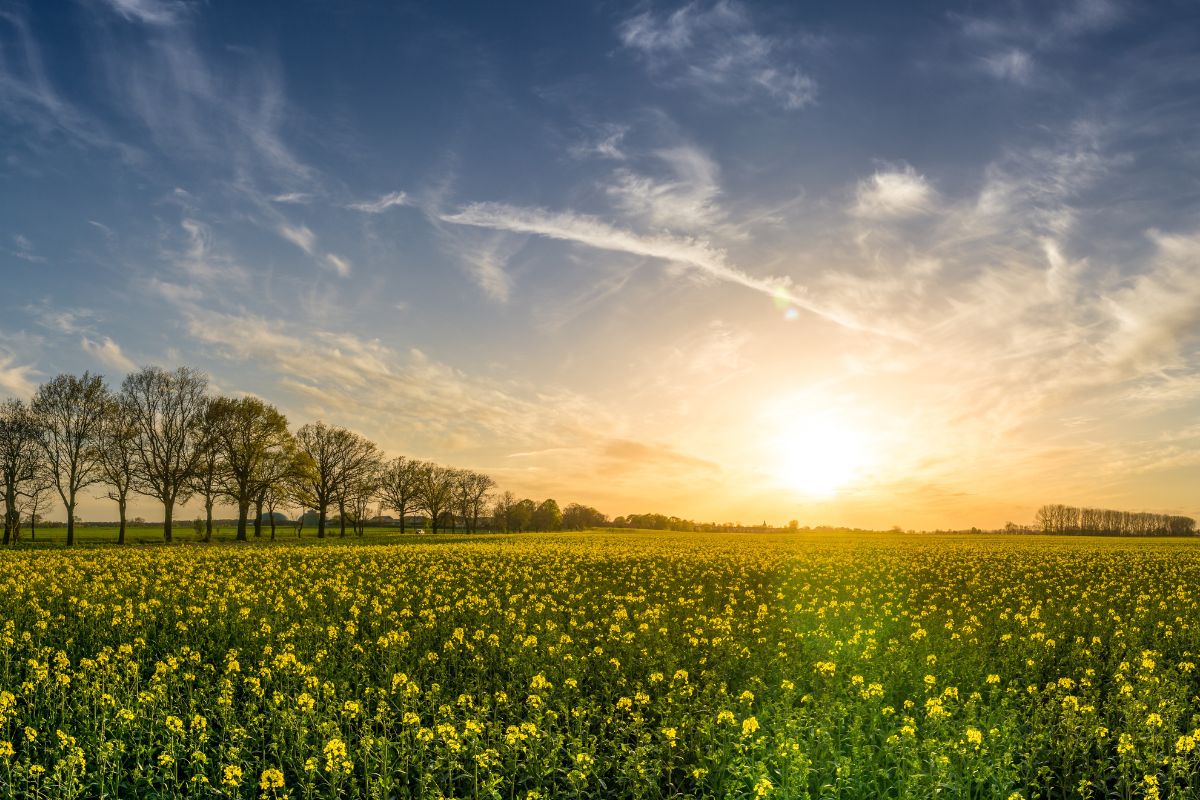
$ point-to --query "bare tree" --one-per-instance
(249, 434)
(70, 414)
(19, 459)
(435, 491)
(278, 476)
(206, 479)
(322, 456)
(116, 455)
(398, 486)
(357, 473)
(479, 489)
(35, 499)
(168, 410)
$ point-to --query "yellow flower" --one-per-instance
(270, 779)
(231, 775)
(749, 726)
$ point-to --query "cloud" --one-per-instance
(225, 112)
(1015, 65)
(593, 232)
(300, 236)
(390, 200)
(623, 454)
(717, 50)
(1011, 39)
(340, 265)
(108, 352)
(292, 197)
(894, 194)
(25, 250)
(686, 201)
(149, 12)
(605, 143)
(16, 380)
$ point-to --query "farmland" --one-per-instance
(603, 665)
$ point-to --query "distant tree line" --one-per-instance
(163, 435)
(662, 522)
(1073, 520)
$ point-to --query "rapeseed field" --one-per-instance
(618, 665)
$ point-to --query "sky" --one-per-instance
(871, 264)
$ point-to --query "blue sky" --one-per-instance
(919, 264)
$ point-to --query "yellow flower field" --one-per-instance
(604, 665)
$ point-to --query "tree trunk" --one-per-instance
(208, 507)
(321, 523)
(70, 524)
(272, 513)
(243, 512)
(121, 515)
(402, 511)
(258, 504)
(168, 516)
(342, 519)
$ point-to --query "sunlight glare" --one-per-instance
(820, 455)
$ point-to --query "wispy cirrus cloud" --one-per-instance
(150, 12)
(717, 49)
(701, 257)
(299, 235)
(378, 206)
(687, 200)
(893, 193)
(107, 352)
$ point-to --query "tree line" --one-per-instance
(163, 435)
(1073, 520)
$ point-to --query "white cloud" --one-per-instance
(894, 193)
(292, 197)
(696, 254)
(389, 200)
(16, 380)
(149, 12)
(716, 49)
(300, 236)
(605, 144)
(108, 352)
(1015, 65)
(339, 264)
(687, 201)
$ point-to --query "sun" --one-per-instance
(819, 455)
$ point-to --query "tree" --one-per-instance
(19, 458)
(520, 516)
(280, 475)
(321, 451)
(577, 517)
(356, 474)
(398, 486)
(70, 413)
(115, 455)
(548, 517)
(502, 511)
(361, 492)
(206, 480)
(249, 435)
(35, 498)
(435, 491)
(168, 410)
(471, 492)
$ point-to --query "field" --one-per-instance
(603, 665)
